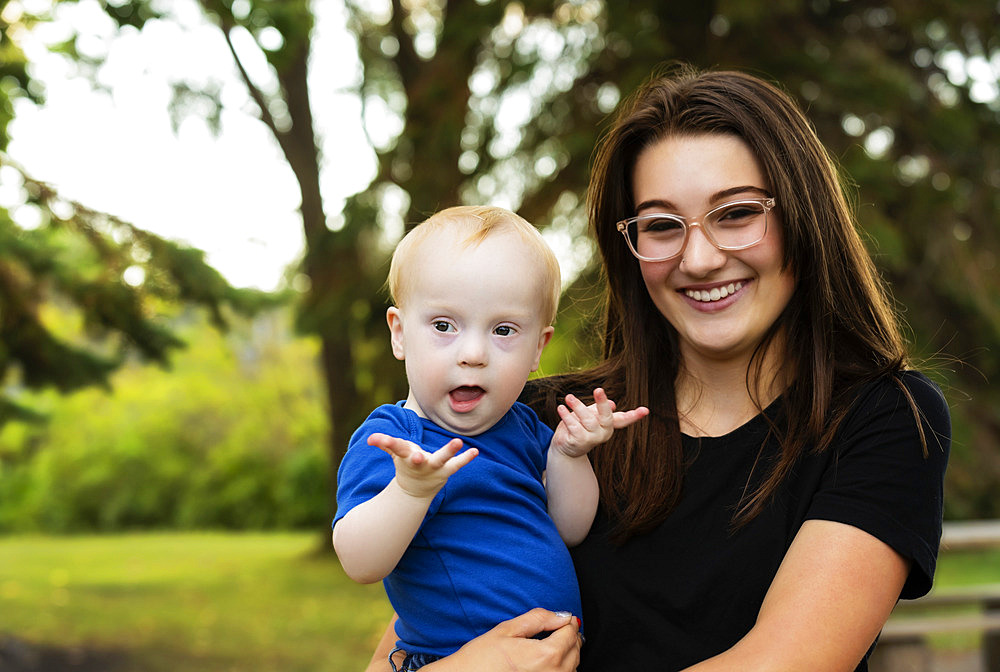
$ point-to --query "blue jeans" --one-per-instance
(413, 661)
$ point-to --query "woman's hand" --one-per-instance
(509, 648)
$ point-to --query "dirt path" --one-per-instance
(17, 655)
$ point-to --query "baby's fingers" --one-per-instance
(401, 448)
(446, 457)
(591, 418)
(605, 407)
(460, 460)
(445, 453)
(626, 418)
(569, 418)
(394, 446)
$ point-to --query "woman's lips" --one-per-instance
(715, 293)
(465, 398)
(714, 298)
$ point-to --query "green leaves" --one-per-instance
(81, 291)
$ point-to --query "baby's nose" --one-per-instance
(472, 351)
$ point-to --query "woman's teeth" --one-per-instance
(715, 293)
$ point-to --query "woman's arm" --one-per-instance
(506, 648)
(830, 598)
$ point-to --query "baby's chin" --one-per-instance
(466, 425)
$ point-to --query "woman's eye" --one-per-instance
(737, 213)
(503, 330)
(657, 224)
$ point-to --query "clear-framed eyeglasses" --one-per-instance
(736, 225)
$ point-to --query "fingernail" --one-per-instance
(563, 614)
(579, 622)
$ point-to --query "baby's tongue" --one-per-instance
(466, 393)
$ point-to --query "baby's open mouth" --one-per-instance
(466, 393)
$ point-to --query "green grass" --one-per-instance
(213, 602)
(967, 568)
(193, 602)
(956, 569)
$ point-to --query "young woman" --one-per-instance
(786, 488)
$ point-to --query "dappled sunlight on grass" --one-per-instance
(192, 601)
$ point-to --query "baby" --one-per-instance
(475, 291)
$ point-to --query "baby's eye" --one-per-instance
(503, 330)
(442, 326)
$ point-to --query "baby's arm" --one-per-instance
(570, 482)
(371, 538)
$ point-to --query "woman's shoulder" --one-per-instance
(911, 386)
(900, 399)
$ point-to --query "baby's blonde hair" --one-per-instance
(471, 224)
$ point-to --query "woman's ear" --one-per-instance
(395, 321)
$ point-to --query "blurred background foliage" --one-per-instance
(463, 101)
(233, 436)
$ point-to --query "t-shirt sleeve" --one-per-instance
(539, 431)
(366, 470)
(882, 479)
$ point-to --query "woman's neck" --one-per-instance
(713, 397)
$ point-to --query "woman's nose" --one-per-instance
(700, 257)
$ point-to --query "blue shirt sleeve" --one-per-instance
(366, 470)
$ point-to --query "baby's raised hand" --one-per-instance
(419, 473)
(584, 427)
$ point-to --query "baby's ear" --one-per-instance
(395, 321)
(543, 340)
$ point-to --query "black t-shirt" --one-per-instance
(692, 588)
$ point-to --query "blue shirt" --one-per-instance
(487, 550)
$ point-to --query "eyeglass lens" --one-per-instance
(732, 226)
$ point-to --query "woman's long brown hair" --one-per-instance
(838, 330)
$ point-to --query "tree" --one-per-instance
(502, 101)
(117, 280)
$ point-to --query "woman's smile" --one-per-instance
(715, 294)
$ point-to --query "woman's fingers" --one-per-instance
(537, 621)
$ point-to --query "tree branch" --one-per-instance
(226, 25)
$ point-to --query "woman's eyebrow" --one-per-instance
(732, 191)
(657, 203)
(667, 206)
